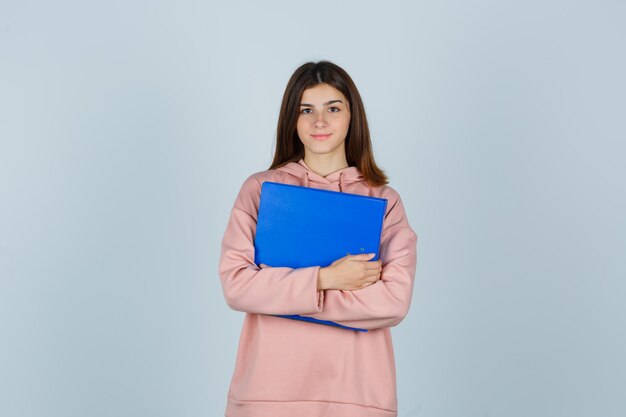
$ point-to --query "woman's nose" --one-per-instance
(321, 119)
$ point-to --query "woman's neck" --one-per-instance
(324, 165)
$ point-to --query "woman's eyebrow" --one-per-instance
(325, 104)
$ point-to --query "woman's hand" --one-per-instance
(352, 272)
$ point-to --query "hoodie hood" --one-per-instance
(340, 177)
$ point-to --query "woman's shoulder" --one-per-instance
(251, 187)
(256, 179)
(394, 201)
(386, 191)
(250, 190)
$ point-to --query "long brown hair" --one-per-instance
(358, 145)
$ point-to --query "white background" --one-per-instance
(127, 128)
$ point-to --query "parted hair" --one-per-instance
(358, 144)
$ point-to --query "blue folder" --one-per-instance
(299, 227)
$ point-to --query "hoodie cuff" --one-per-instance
(319, 294)
(320, 300)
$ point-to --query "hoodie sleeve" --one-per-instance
(386, 302)
(246, 286)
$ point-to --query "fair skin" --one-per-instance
(325, 110)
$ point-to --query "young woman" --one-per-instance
(290, 368)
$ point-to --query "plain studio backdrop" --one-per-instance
(127, 128)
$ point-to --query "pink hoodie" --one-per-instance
(289, 368)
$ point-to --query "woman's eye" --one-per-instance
(331, 109)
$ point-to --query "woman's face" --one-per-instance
(324, 120)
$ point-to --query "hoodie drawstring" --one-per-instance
(307, 179)
(340, 177)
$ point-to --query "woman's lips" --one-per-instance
(321, 137)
